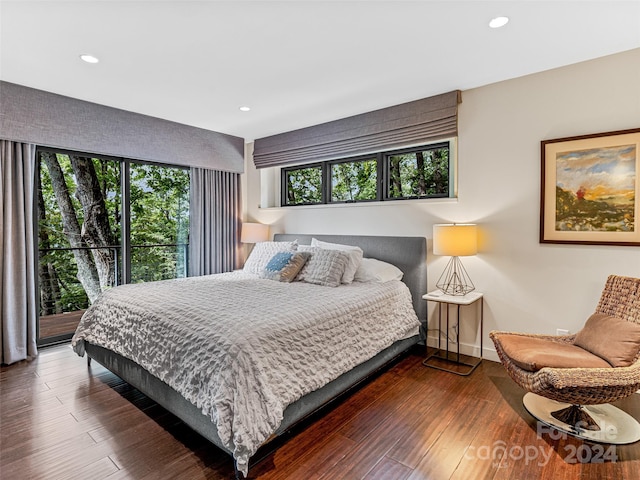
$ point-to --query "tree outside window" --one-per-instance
(415, 173)
(419, 174)
(353, 181)
(80, 213)
(303, 186)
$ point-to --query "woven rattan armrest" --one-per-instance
(590, 377)
(552, 338)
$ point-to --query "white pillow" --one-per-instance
(355, 257)
(373, 270)
(263, 252)
(324, 267)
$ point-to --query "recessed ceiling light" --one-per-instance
(245, 109)
(89, 58)
(498, 22)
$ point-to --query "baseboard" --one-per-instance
(467, 349)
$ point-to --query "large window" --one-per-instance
(420, 172)
(103, 222)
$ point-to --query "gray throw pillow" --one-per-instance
(324, 267)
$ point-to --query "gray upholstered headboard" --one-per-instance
(409, 254)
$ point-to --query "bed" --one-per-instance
(256, 414)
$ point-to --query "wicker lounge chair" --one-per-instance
(569, 382)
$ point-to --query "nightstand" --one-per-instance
(444, 303)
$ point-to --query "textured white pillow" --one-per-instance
(263, 252)
(355, 257)
(324, 267)
(373, 270)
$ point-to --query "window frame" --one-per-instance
(123, 259)
(382, 172)
(386, 186)
(284, 185)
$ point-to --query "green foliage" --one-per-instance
(159, 216)
(57, 255)
(409, 179)
(420, 173)
(351, 181)
(52, 225)
(304, 186)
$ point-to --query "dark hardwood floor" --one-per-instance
(59, 324)
(62, 420)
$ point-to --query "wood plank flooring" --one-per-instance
(59, 324)
(62, 420)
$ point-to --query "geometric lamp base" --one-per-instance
(454, 279)
(596, 423)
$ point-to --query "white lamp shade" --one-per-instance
(254, 233)
(455, 240)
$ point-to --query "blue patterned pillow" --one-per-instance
(262, 253)
(284, 266)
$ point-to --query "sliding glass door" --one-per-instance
(159, 214)
(103, 222)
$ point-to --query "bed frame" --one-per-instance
(407, 253)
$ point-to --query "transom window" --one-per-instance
(303, 186)
(422, 173)
(413, 173)
(354, 180)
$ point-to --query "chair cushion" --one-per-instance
(612, 338)
(532, 354)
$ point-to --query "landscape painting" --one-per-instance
(590, 189)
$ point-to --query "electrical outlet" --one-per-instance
(562, 331)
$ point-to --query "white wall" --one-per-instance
(528, 286)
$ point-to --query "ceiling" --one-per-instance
(295, 63)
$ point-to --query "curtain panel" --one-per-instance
(18, 316)
(215, 222)
(410, 123)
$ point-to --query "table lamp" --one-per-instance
(254, 232)
(456, 240)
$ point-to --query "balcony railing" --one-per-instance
(65, 294)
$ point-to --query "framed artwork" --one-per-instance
(590, 189)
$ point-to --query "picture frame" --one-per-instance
(589, 189)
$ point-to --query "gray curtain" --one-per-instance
(18, 305)
(214, 237)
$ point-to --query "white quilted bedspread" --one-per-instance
(242, 348)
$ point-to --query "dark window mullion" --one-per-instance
(125, 225)
(326, 182)
(284, 187)
(382, 189)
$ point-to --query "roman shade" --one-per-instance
(47, 119)
(401, 125)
